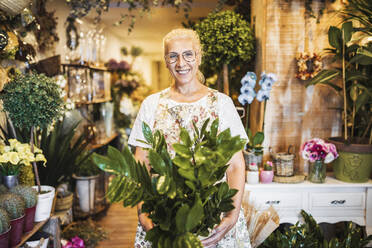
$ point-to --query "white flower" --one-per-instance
(329, 158)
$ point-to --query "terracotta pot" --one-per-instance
(266, 176)
(29, 219)
(16, 231)
(4, 238)
(354, 163)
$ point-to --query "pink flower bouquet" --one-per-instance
(75, 242)
(317, 149)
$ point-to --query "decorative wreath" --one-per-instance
(309, 65)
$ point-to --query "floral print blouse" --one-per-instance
(162, 113)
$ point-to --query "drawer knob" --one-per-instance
(338, 202)
(272, 202)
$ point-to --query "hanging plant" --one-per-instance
(309, 65)
(81, 8)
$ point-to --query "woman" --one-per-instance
(188, 100)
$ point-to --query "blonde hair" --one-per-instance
(184, 33)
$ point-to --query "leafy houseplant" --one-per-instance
(61, 152)
(32, 100)
(227, 39)
(353, 55)
(309, 234)
(185, 198)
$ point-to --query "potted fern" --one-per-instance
(185, 197)
(4, 228)
(353, 54)
(29, 195)
(15, 207)
(34, 101)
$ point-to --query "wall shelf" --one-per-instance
(26, 236)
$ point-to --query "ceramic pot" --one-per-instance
(29, 219)
(44, 203)
(354, 163)
(16, 230)
(4, 238)
(266, 176)
(85, 187)
(252, 177)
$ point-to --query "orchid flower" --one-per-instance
(249, 79)
(263, 95)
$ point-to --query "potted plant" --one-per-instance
(353, 57)
(4, 228)
(29, 195)
(267, 173)
(182, 206)
(227, 40)
(61, 149)
(15, 207)
(41, 104)
(13, 157)
(254, 148)
(86, 174)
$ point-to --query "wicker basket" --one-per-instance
(283, 163)
(65, 202)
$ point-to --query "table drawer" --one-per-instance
(337, 200)
(277, 200)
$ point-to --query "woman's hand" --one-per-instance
(145, 221)
(219, 232)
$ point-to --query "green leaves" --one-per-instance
(335, 37)
(32, 100)
(183, 197)
(226, 38)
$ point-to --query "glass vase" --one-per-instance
(317, 172)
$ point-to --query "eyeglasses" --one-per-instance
(188, 56)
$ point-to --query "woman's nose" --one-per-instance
(180, 60)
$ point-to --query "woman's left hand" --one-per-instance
(219, 232)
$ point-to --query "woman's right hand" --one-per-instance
(146, 222)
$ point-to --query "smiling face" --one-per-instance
(182, 60)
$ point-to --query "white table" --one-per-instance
(330, 202)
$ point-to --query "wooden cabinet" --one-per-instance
(330, 202)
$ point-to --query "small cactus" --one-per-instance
(13, 204)
(3, 189)
(28, 194)
(4, 221)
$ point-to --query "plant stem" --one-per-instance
(247, 119)
(226, 79)
(34, 163)
(344, 85)
(368, 127)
